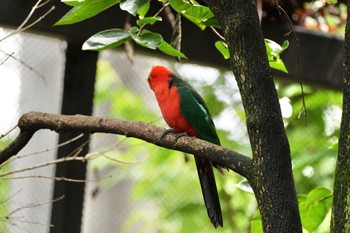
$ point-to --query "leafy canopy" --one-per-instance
(198, 14)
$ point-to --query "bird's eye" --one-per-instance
(149, 79)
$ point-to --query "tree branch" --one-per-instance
(31, 122)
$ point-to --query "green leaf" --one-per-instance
(278, 65)
(132, 6)
(213, 22)
(170, 50)
(146, 38)
(79, 2)
(148, 20)
(142, 11)
(334, 145)
(273, 51)
(285, 45)
(314, 207)
(319, 194)
(198, 14)
(179, 5)
(154, 40)
(223, 49)
(256, 224)
(80, 13)
(106, 39)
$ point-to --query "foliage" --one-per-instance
(314, 207)
(198, 14)
(273, 51)
(273, 54)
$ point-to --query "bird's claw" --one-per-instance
(166, 132)
(178, 135)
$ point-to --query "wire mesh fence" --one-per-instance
(31, 71)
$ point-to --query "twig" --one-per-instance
(155, 15)
(10, 219)
(53, 162)
(303, 107)
(71, 157)
(8, 132)
(10, 55)
(50, 178)
(23, 26)
(170, 16)
(161, 9)
(43, 151)
(218, 34)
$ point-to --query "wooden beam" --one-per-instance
(77, 99)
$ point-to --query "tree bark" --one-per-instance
(271, 173)
(340, 221)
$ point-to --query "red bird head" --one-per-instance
(158, 77)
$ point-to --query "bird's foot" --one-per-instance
(166, 132)
(178, 135)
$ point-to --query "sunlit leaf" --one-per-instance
(314, 207)
(285, 45)
(256, 224)
(106, 39)
(132, 6)
(223, 49)
(334, 146)
(79, 2)
(278, 65)
(273, 51)
(332, 1)
(80, 13)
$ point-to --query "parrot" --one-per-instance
(185, 111)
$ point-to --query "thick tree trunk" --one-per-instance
(271, 173)
(341, 201)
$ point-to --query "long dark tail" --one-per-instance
(210, 193)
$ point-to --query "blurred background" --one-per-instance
(132, 186)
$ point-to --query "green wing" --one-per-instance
(195, 111)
